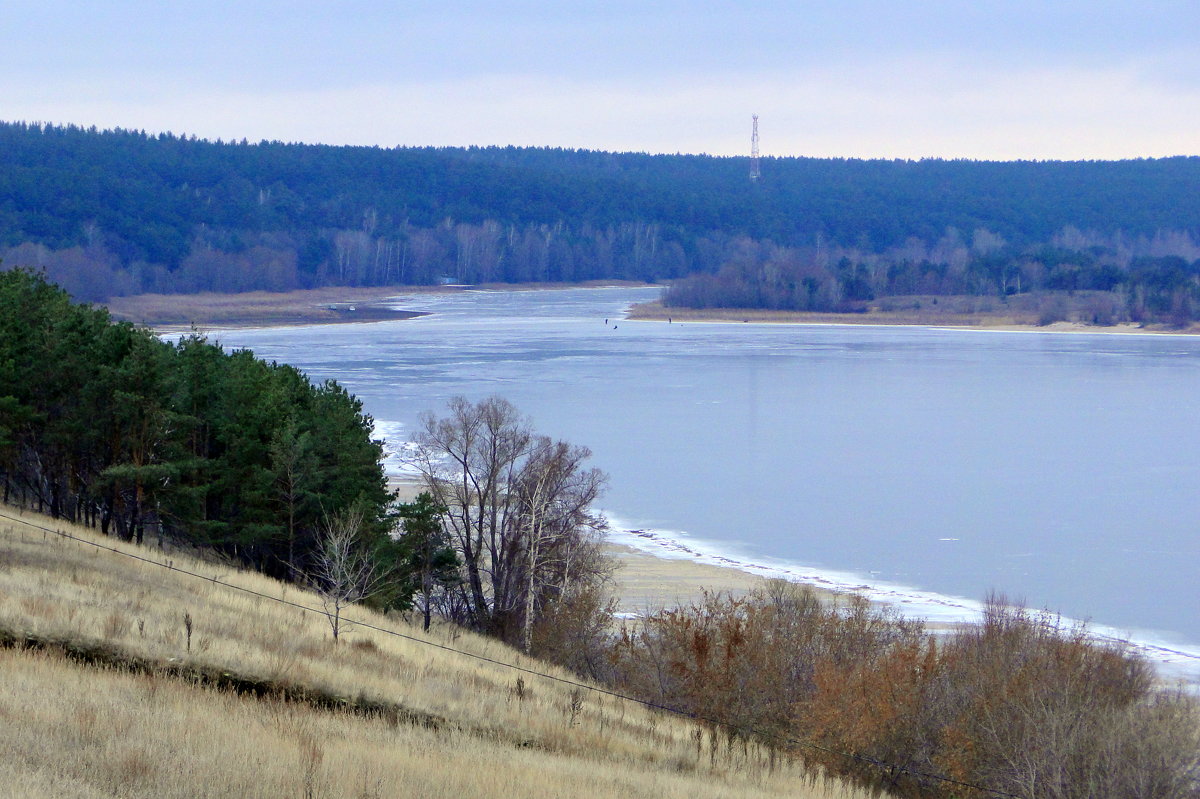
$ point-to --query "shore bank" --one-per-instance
(169, 313)
(657, 572)
(928, 316)
(182, 312)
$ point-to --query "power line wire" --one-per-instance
(892, 767)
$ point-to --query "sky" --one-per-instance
(980, 79)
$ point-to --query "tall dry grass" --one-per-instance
(78, 731)
(71, 730)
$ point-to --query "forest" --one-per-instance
(118, 212)
(104, 424)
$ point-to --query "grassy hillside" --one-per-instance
(122, 677)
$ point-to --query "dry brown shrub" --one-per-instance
(1020, 703)
(1040, 708)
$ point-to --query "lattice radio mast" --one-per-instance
(755, 174)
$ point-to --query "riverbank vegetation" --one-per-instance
(105, 425)
(112, 213)
(1095, 280)
(1024, 312)
(1019, 705)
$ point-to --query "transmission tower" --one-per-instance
(755, 174)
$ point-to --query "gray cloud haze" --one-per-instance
(988, 79)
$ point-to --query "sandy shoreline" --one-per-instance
(990, 321)
(169, 313)
(350, 305)
(656, 572)
(645, 583)
(172, 313)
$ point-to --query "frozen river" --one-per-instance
(932, 465)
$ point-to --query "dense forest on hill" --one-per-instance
(104, 424)
(119, 212)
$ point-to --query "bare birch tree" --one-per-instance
(518, 509)
(555, 494)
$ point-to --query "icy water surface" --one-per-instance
(1062, 469)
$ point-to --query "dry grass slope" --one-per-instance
(68, 729)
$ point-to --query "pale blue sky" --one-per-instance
(859, 78)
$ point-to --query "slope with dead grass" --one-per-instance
(485, 729)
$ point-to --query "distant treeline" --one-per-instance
(119, 212)
(1152, 280)
(103, 424)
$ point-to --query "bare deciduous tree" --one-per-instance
(555, 494)
(518, 509)
(345, 570)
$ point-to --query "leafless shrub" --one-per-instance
(1021, 703)
(1040, 708)
(574, 706)
(345, 570)
(1051, 308)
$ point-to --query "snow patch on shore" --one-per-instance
(397, 449)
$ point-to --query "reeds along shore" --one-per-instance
(475, 728)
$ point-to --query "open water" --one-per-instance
(930, 466)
